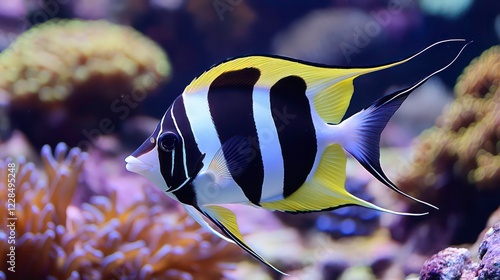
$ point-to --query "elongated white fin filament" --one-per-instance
(361, 132)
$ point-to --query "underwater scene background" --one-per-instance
(83, 83)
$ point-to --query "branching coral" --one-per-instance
(456, 164)
(103, 239)
(69, 75)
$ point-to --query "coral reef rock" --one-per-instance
(79, 78)
(453, 263)
(489, 252)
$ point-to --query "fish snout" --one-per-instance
(136, 165)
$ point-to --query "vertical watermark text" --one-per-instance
(11, 216)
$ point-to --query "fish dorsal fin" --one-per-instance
(326, 190)
(226, 221)
(330, 88)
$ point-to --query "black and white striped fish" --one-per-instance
(266, 131)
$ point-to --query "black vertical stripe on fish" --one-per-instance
(174, 175)
(163, 157)
(186, 195)
(192, 151)
(291, 113)
(231, 106)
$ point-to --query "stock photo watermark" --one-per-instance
(11, 216)
(362, 36)
(46, 10)
(122, 108)
(221, 7)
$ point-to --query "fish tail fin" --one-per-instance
(360, 134)
(363, 131)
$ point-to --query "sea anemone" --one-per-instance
(75, 75)
(41, 200)
(456, 164)
(101, 239)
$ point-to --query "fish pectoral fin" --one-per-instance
(326, 190)
(231, 159)
(225, 219)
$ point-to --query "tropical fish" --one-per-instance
(267, 131)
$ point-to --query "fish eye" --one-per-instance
(167, 141)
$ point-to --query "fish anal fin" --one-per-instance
(225, 219)
(326, 190)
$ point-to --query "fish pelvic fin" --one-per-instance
(360, 134)
(326, 190)
(198, 217)
(225, 219)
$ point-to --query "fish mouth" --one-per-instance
(136, 165)
(145, 166)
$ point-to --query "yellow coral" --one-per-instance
(102, 239)
(60, 58)
(483, 73)
(467, 136)
(80, 78)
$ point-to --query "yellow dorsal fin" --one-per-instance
(330, 88)
(326, 190)
(226, 221)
